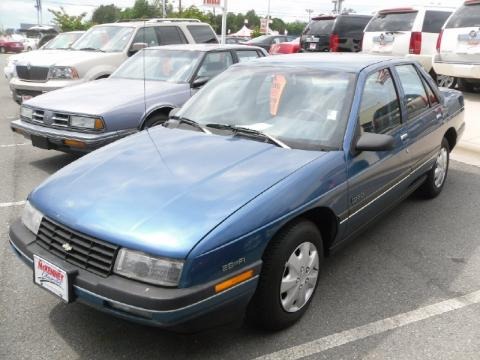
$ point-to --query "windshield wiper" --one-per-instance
(184, 120)
(91, 49)
(248, 132)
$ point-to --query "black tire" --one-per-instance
(265, 309)
(430, 189)
(463, 84)
(155, 120)
(2, 50)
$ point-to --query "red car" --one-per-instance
(289, 47)
(9, 45)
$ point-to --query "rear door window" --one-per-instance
(465, 16)
(215, 63)
(202, 34)
(319, 27)
(434, 21)
(392, 22)
(380, 109)
(170, 35)
(415, 97)
(350, 25)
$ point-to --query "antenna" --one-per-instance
(144, 79)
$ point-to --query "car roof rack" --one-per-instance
(167, 20)
(132, 20)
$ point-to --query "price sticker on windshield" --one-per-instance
(276, 91)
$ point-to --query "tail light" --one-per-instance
(334, 42)
(439, 41)
(416, 43)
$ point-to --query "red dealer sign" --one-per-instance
(211, 2)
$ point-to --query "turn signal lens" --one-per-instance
(233, 281)
(74, 143)
(99, 124)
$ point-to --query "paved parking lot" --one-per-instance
(407, 288)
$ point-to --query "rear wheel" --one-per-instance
(465, 85)
(436, 177)
(446, 81)
(289, 277)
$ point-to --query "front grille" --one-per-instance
(83, 251)
(32, 73)
(38, 116)
(32, 93)
(60, 119)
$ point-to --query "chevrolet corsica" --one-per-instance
(231, 206)
(139, 95)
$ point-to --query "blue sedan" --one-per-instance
(231, 206)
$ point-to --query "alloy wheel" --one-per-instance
(445, 81)
(441, 167)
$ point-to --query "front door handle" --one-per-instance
(404, 137)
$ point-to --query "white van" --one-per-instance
(459, 46)
(407, 31)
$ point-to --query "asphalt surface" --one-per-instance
(421, 253)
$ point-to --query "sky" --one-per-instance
(14, 12)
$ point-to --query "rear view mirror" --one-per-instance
(375, 142)
(136, 47)
(200, 81)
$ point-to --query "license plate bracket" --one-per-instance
(40, 142)
(52, 278)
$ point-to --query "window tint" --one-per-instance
(215, 63)
(465, 16)
(414, 92)
(392, 22)
(380, 108)
(202, 34)
(170, 35)
(347, 25)
(319, 27)
(434, 21)
(146, 35)
(246, 55)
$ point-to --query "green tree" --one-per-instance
(141, 10)
(296, 28)
(69, 22)
(192, 12)
(106, 14)
(278, 25)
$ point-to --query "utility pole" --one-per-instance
(164, 10)
(268, 17)
(224, 21)
(337, 6)
(180, 7)
(38, 6)
(309, 11)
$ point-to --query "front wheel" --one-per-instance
(289, 277)
(155, 120)
(436, 177)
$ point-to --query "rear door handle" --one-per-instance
(404, 137)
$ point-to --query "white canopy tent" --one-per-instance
(244, 31)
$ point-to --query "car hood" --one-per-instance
(162, 190)
(101, 96)
(65, 57)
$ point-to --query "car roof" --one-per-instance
(324, 61)
(205, 47)
(148, 22)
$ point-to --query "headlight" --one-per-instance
(31, 218)
(147, 268)
(86, 122)
(63, 72)
(26, 112)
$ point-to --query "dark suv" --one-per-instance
(335, 33)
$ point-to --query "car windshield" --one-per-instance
(392, 22)
(63, 41)
(161, 65)
(303, 108)
(105, 38)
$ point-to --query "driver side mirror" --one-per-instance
(200, 81)
(375, 142)
(137, 47)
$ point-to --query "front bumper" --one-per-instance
(187, 309)
(55, 138)
(457, 69)
(21, 87)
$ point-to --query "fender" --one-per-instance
(152, 110)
